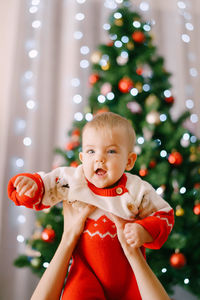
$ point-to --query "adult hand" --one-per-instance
(52, 281)
(121, 225)
(74, 218)
(149, 286)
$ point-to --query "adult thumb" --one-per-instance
(119, 222)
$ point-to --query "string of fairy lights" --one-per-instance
(28, 84)
(32, 48)
(184, 8)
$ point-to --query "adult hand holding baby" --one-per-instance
(149, 286)
(51, 284)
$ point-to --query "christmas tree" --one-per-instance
(128, 77)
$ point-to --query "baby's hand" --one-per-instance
(136, 235)
(25, 186)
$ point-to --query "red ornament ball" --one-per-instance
(197, 185)
(175, 158)
(101, 110)
(169, 100)
(143, 172)
(125, 85)
(74, 164)
(71, 145)
(110, 44)
(196, 209)
(76, 132)
(177, 260)
(48, 235)
(93, 78)
(152, 164)
(139, 71)
(138, 37)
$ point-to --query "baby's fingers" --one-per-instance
(130, 241)
(30, 192)
(18, 180)
(23, 189)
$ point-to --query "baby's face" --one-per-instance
(105, 155)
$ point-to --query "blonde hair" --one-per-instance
(111, 120)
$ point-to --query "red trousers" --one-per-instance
(100, 269)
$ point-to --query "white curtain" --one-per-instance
(43, 66)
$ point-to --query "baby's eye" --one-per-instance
(90, 151)
(112, 151)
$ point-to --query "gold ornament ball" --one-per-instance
(130, 45)
(35, 262)
(121, 60)
(193, 157)
(106, 67)
(151, 99)
(192, 149)
(138, 86)
(153, 118)
(179, 211)
(119, 22)
(95, 57)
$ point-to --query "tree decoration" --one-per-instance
(143, 172)
(106, 88)
(119, 22)
(152, 163)
(130, 46)
(76, 132)
(134, 107)
(35, 262)
(175, 158)
(147, 133)
(138, 86)
(95, 57)
(105, 66)
(121, 60)
(125, 85)
(93, 78)
(139, 70)
(152, 101)
(177, 260)
(101, 110)
(138, 37)
(179, 211)
(196, 209)
(197, 185)
(169, 100)
(74, 164)
(71, 145)
(48, 234)
(146, 71)
(153, 118)
(110, 43)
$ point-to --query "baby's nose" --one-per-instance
(100, 158)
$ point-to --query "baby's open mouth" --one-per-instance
(100, 172)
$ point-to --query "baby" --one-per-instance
(99, 269)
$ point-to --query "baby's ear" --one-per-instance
(81, 156)
(132, 156)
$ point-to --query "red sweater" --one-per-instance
(100, 269)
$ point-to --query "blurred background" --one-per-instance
(45, 51)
